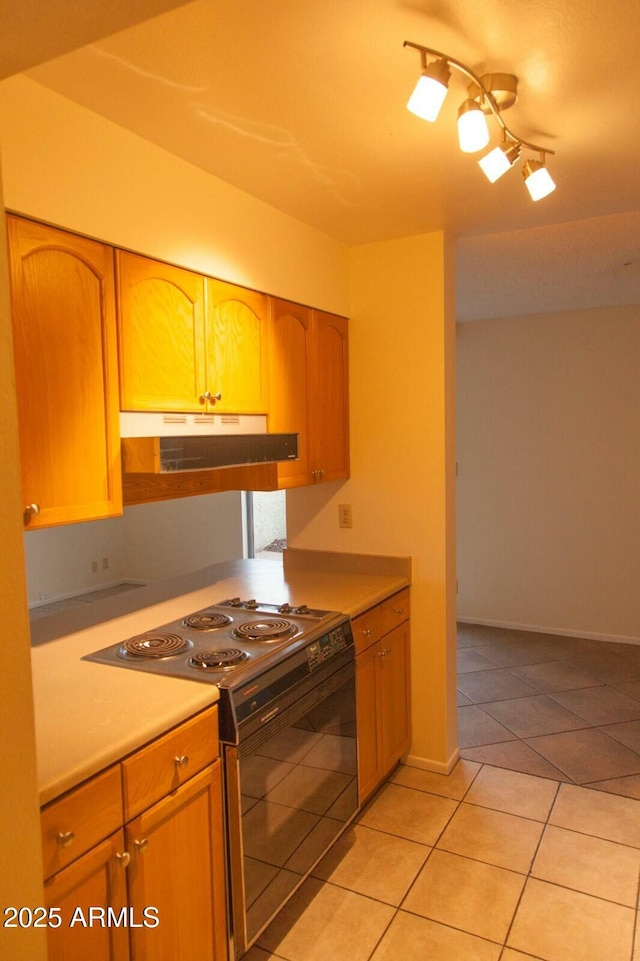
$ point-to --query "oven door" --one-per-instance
(292, 787)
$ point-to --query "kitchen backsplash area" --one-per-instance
(149, 542)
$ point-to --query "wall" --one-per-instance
(549, 461)
(149, 542)
(20, 856)
(402, 372)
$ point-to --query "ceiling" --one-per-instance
(303, 106)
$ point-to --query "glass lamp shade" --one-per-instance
(430, 91)
(473, 133)
(498, 161)
(537, 179)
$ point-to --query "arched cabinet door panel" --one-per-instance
(161, 335)
(64, 333)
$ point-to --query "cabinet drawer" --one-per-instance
(367, 628)
(79, 820)
(166, 763)
(395, 610)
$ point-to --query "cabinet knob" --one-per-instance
(65, 838)
(399, 610)
(181, 761)
(30, 511)
(210, 398)
(367, 632)
(142, 845)
(123, 859)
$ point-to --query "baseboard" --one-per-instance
(438, 767)
(560, 631)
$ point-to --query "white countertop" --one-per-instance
(90, 715)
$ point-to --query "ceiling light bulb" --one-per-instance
(473, 133)
(499, 160)
(537, 179)
(430, 91)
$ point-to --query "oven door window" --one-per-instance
(298, 788)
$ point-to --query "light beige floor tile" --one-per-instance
(410, 938)
(510, 955)
(594, 812)
(592, 865)
(454, 785)
(324, 921)
(408, 814)
(512, 792)
(466, 894)
(492, 836)
(257, 954)
(373, 863)
(561, 925)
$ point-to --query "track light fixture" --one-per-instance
(486, 95)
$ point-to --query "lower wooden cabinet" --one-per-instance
(177, 867)
(154, 889)
(382, 690)
(79, 898)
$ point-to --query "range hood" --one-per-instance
(167, 443)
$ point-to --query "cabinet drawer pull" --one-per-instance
(181, 761)
(385, 652)
(367, 632)
(141, 846)
(398, 610)
(122, 859)
(65, 838)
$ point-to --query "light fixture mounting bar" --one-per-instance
(484, 93)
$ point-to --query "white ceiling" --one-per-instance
(303, 105)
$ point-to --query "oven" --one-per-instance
(286, 679)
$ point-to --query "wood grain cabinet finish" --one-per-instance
(64, 335)
(188, 342)
(382, 689)
(309, 392)
(147, 833)
(160, 335)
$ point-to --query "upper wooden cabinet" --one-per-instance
(64, 334)
(189, 343)
(237, 332)
(160, 335)
(309, 379)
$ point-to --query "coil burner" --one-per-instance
(217, 660)
(206, 621)
(154, 644)
(268, 630)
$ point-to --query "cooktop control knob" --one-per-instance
(303, 609)
(285, 608)
(251, 605)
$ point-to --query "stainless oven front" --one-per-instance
(291, 779)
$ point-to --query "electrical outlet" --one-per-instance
(105, 563)
(94, 567)
(345, 517)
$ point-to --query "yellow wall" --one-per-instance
(402, 370)
(64, 164)
(20, 858)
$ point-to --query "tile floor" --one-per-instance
(559, 707)
(513, 856)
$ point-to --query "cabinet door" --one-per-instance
(329, 397)
(236, 348)
(161, 335)
(289, 337)
(177, 866)
(394, 687)
(63, 307)
(82, 894)
(369, 721)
